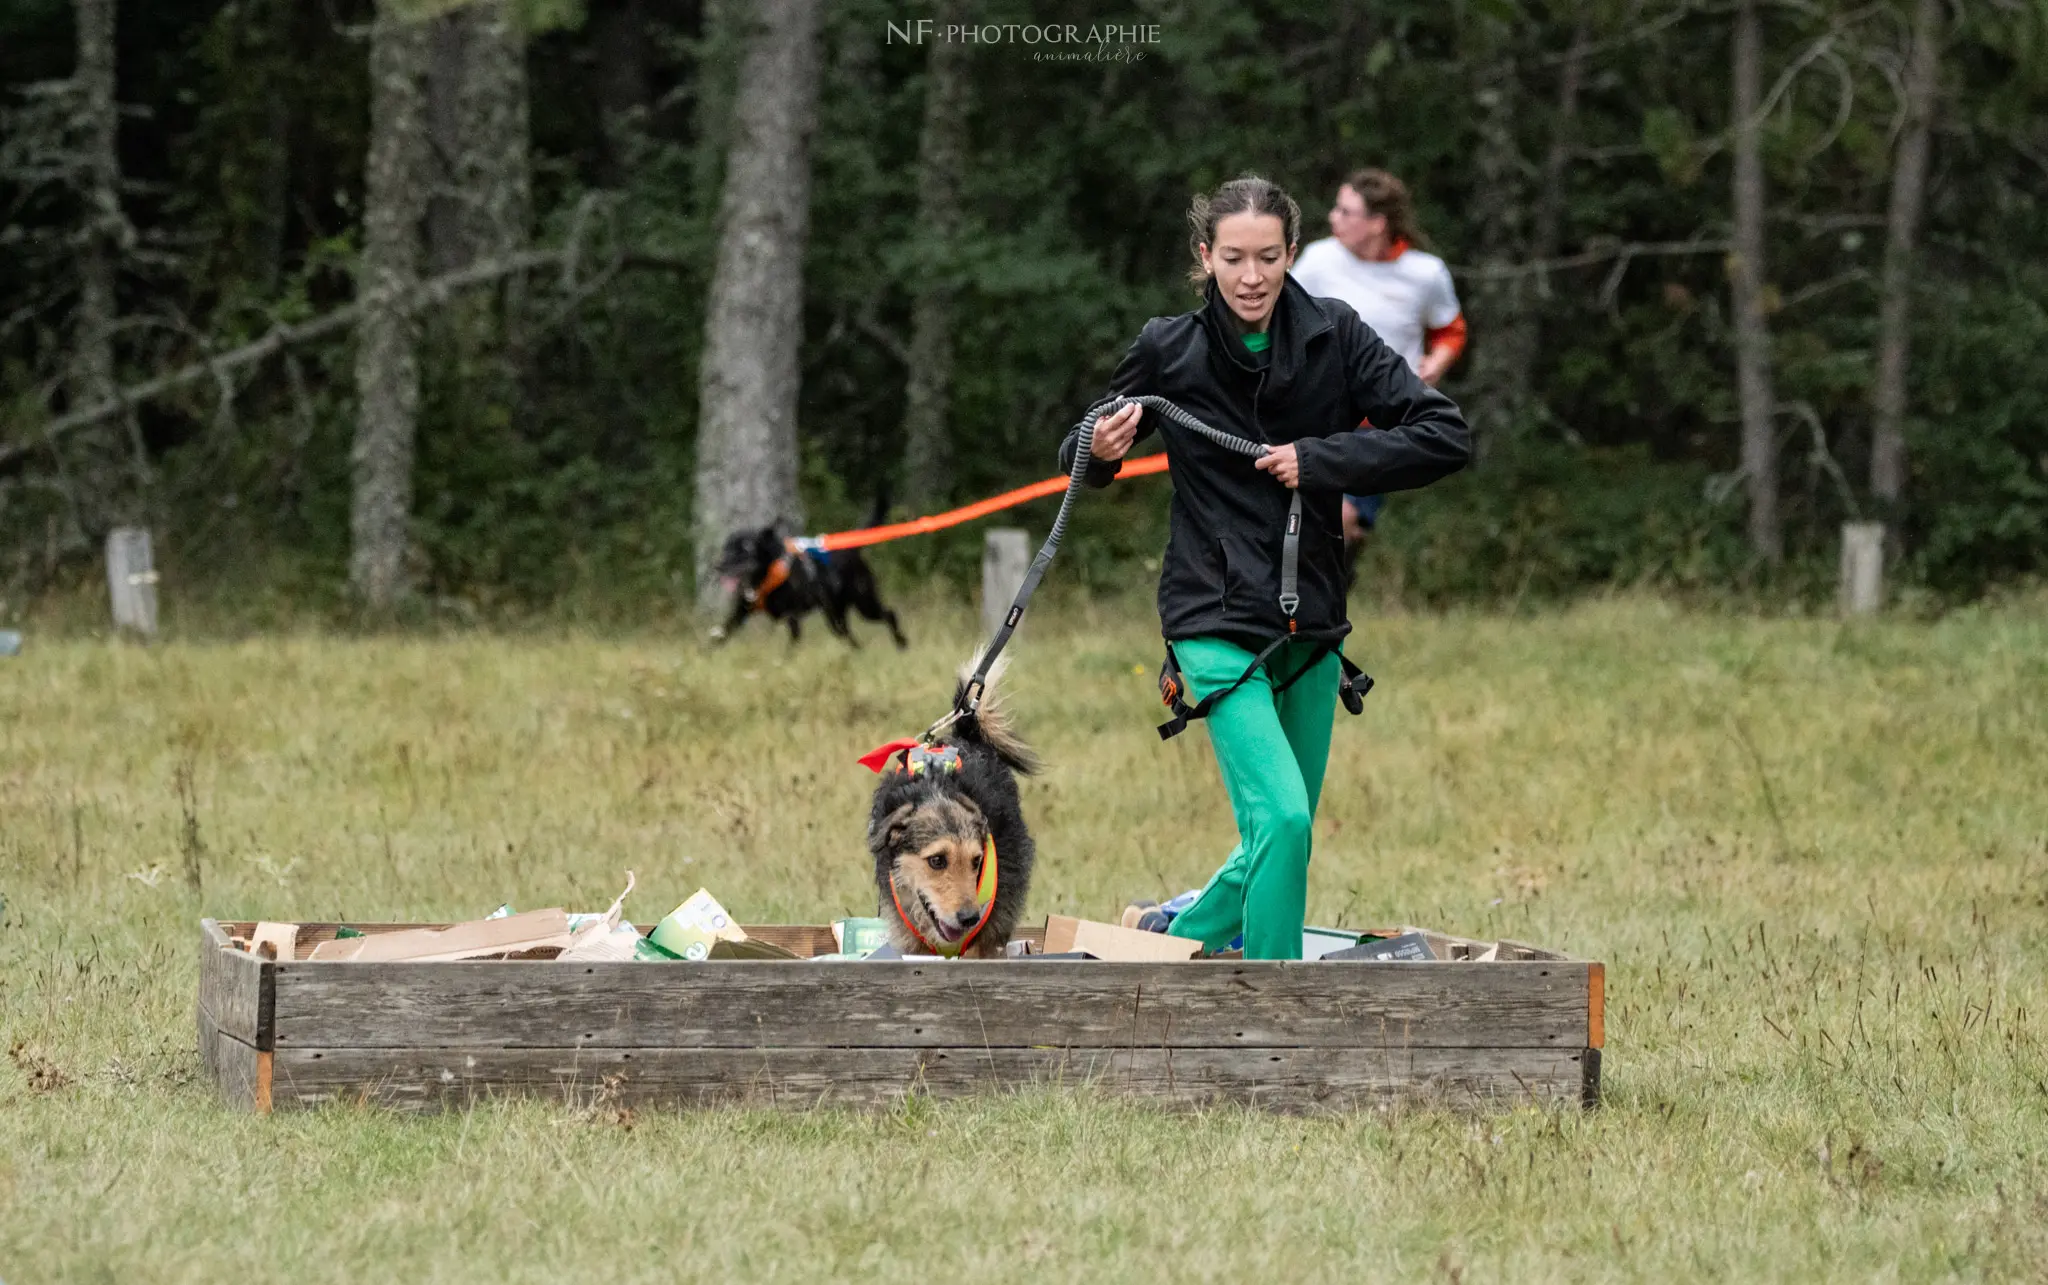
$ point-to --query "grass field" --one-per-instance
(1815, 859)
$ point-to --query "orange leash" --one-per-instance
(1143, 466)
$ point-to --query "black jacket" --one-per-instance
(1328, 370)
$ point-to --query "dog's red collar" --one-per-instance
(988, 908)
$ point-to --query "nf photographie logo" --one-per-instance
(1048, 42)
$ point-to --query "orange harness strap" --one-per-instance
(778, 572)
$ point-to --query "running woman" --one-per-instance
(1372, 261)
(1263, 359)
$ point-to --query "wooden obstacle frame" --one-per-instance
(1523, 1027)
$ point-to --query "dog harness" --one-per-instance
(778, 574)
(919, 758)
(1173, 685)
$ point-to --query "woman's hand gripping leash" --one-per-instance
(1284, 463)
(1115, 432)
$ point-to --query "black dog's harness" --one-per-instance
(778, 573)
(781, 570)
(1172, 685)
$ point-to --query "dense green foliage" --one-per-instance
(246, 155)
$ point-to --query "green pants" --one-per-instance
(1272, 750)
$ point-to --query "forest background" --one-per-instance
(513, 306)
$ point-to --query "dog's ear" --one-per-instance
(974, 810)
(889, 830)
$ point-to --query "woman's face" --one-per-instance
(1249, 259)
(1362, 233)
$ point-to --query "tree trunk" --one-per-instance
(1543, 238)
(753, 326)
(448, 224)
(481, 205)
(497, 131)
(107, 472)
(272, 218)
(1503, 322)
(721, 49)
(942, 154)
(387, 358)
(1909, 194)
(621, 83)
(1746, 271)
(478, 118)
(1507, 304)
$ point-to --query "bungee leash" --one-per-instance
(1355, 683)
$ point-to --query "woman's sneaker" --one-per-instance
(1146, 917)
(1151, 917)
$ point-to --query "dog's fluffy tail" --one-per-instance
(990, 723)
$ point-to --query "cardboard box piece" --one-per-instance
(283, 940)
(530, 931)
(1064, 935)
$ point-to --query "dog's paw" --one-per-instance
(718, 633)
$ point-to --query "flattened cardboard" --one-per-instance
(1064, 935)
(748, 948)
(283, 939)
(530, 931)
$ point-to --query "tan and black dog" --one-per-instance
(952, 853)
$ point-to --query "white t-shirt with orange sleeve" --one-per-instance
(1404, 298)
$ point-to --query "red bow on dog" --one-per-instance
(878, 758)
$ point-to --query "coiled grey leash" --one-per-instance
(1290, 600)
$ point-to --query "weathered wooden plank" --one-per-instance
(243, 1073)
(208, 1041)
(1278, 1079)
(211, 939)
(235, 988)
(1523, 950)
(953, 1005)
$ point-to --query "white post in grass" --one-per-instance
(131, 580)
(1862, 568)
(1005, 557)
